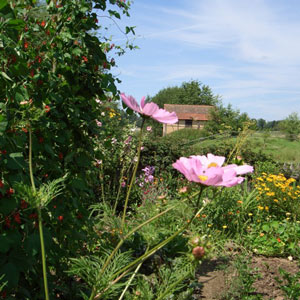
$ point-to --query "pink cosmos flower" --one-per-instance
(150, 109)
(208, 170)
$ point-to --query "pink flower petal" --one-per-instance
(130, 102)
(240, 170)
(164, 116)
(143, 102)
(150, 108)
(207, 170)
(219, 160)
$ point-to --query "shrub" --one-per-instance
(54, 74)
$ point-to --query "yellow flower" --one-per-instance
(250, 214)
(270, 194)
(260, 207)
(224, 226)
(266, 207)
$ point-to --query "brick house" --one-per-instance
(189, 116)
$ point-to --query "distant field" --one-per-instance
(277, 146)
(274, 144)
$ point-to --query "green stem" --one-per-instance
(102, 184)
(160, 245)
(94, 291)
(119, 189)
(133, 175)
(39, 220)
(131, 278)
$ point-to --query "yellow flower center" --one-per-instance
(202, 177)
(212, 164)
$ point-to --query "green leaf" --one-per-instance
(8, 205)
(275, 224)
(11, 273)
(5, 76)
(4, 243)
(32, 244)
(266, 227)
(3, 125)
(3, 3)
(16, 24)
(114, 13)
(78, 184)
(49, 150)
(21, 94)
(16, 161)
(76, 51)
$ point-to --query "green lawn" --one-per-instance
(273, 144)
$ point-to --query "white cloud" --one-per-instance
(247, 51)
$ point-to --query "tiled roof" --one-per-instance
(190, 112)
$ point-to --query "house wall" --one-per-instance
(168, 128)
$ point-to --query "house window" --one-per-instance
(188, 123)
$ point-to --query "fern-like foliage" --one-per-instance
(168, 283)
(45, 193)
(88, 269)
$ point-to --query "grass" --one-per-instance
(278, 147)
(273, 144)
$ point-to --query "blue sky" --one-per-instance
(248, 52)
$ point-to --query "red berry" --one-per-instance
(7, 222)
(43, 23)
(33, 216)
(47, 108)
(17, 218)
(60, 218)
(10, 191)
(24, 204)
(1, 184)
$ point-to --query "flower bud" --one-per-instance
(198, 252)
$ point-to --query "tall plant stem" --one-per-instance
(119, 189)
(101, 179)
(133, 174)
(131, 278)
(108, 260)
(39, 220)
(160, 245)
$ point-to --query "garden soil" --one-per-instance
(215, 280)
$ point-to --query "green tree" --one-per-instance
(291, 126)
(192, 92)
(226, 120)
(261, 124)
